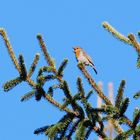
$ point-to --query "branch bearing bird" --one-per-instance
(83, 57)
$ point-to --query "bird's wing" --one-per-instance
(88, 57)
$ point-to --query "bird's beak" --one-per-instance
(73, 49)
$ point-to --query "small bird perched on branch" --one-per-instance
(82, 56)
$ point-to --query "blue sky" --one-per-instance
(63, 25)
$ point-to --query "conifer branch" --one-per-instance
(139, 33)
(99, 92)
(131, 40)
(81, 131)
(136, 118)
(28, 96)
(119, 96)
(80, 87)
(86, 116)
(23, 73)
(60, 127)
(73, 128)
(137, 95)
(55, 103)
(33, 66)
(67, 120)
(62, 67)
(46, 54)
(50, 61)
(31, 82)
(124, 106)
(115, 33)
(128, 121)
(50, 91)
(9, 48)
(52, 101)
(89, 94)
(101, 134)
(52, 68)
(42, 79)
(41, 129)
(74, 105)
(138, 61)
(93, 84)
(88, 132)
(137, 133)
(40, 92)
(125, 135)
(45, 69)
(134, 42)
(11, 84)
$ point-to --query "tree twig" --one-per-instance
(10, 50)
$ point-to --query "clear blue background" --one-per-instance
(63, 25)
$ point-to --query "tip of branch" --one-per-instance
(105, 23)
(131, 36)
(38, 54)
(123, 82)
(39, 36)
(2, 31)
(80, 64)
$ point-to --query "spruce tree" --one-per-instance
(81, 117)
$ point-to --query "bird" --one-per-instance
(83, 57)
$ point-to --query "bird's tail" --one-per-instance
(94, 68)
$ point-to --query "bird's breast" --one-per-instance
(81, 57)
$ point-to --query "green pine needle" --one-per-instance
(89, 94)
(137, 95)
(124, 106)
(109, 109)
(11, 84)
(42, 79)
(137, 133)
(74, 127)
(41, 130)
(125, 135)
(136, 118)
(122, 120)
(81, 131)
(27, 96)
(33, 66)
(90, 129)
(39, 92)
(23, 73)
(60, 127)
(51, 131)
(138, 62)
(139, 34)
(45, 69)
(119, 96)
(80, 87)
(50, 91)
(62, 67)
(43, 46)
(66, 90)
(65, 104)
(136, 111)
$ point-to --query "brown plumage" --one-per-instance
(82, 56)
